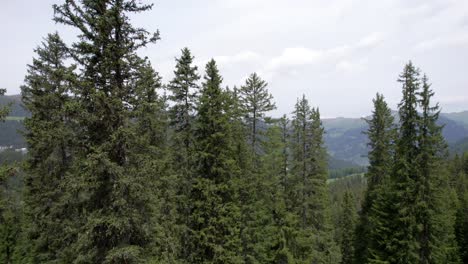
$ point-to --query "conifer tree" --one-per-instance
(47, 94)
(184, 89)
(256, 100)
(214, 221)
(403, 245)
(347, 225)
(381, 134)
(111, 201)
(435, 213)
(460, 174)
(152, 160)
(310, 200)
(9, 227)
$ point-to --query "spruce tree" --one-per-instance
(309, 192)
(184, 89)
(215, 215)
(152, 160)
(381, 135)
(435, 206)
(256, 100)
(111, 201)
(273, 194)
(48, 96)
(347, 225)
(403, 245)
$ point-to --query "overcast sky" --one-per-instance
(338, 53)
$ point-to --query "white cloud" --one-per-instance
(295, 57)
(453, 40)
(244, 56)
(371, 40)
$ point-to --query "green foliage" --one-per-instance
(214, 220)
(255, 100)
(409, 217)
(348, 220)
(184, 92)
(119, 172)
(4, 109)
(381, 134)
(50, 138)
(309, 198)
(459, 172)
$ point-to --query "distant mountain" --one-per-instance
(459, 147)
(345, 139)
(460, 117)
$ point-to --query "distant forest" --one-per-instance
(122, 167)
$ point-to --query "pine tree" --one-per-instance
(47, 94)
(215, 215)
(256, 100)
(184, 89)
(381, 134)
(347, 225)
(152, 160)
(435, 212)
(310, 200)
(111, 201)
(403, 245)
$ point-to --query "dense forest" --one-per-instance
(125, 168)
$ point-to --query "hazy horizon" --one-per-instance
(338, 53)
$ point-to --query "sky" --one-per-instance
(338, 53)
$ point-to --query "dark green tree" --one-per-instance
(435, 206)
(256, 101)
(402, 245)
(9, 228)
(381, 134)
(184, 90)
(309, 193)
(48, 96)
(347, 225)
(152, 160)
(215, 216)
(111, 201)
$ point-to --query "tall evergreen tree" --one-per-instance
(184, 89)
(381, 134)
(435, 208)
(111, 202)
(214, 220)
(47, 94)
(407, 217)
(256, 100)
(277, 228)
(152, 160)
(347, 225)
(403, 244)
(310, 200)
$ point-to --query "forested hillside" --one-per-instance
(126, 167)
